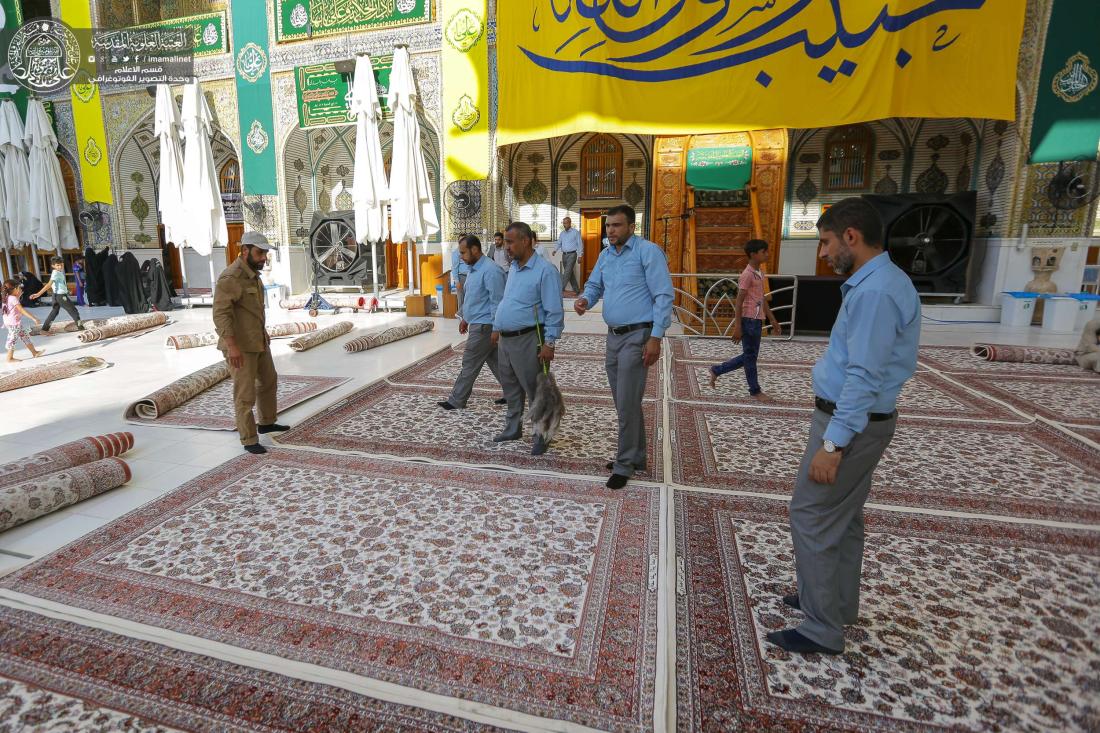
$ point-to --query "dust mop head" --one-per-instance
(547, 408)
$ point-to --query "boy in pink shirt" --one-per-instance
(750, 311)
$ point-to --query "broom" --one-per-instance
(547, 408)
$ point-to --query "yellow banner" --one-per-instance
(697, 66)
(91, 135)
(465, 89)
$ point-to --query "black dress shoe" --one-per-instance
(793, 641)
(272, 428)
(792, 601)
(500, 401)
(255, 449)
(540, 446)
(447, 405)
(610, 465)
(617, 481)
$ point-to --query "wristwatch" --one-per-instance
(549, 343)
(831, 447)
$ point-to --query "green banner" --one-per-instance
(301, 19)
(323, 92)
(208, 31)
(13, 18)
(254, 98)
(720, 169)
(1067, 107)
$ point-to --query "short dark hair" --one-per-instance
(853, 213)
(755, 245)
(55, 260)
(472, 240)
(523, 229)
(625, 210)
(499, 234)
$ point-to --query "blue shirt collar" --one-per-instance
(628, 245)
(869, 267)
(530, 261)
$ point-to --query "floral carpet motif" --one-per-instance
(40, 373)
(772, 351)
(1074, 401)
(407, 422)
(959, 360)
(964, 624)
(575, 375)
(59, 676)
(1024, 470)
(792, 386)
(539, 598)
(212, 409)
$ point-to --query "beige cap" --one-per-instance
(257, 240)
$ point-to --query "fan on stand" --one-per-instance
(464, 202)
(337, 259)
(1070, 188)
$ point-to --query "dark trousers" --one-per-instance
(750, 345)
(61, 300)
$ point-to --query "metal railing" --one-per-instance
(702, 320)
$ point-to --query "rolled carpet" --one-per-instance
(281, 330)
(42, 373)
(29, 500)
(66, 455)
(123, 325)
(302, 343)
(336, 301)
(381, 338)
(1024, 354)
(175, 394)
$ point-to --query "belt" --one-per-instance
(510, 334)
(830, 407)
(620, 330)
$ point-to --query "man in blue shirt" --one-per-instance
(459, 271)
(632, 276)
(484, 288)
(533, 289)
(569, 244)
(872, 353)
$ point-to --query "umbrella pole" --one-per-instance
(34, 259)
(412, 288)
(374, 265)
(11, 267)
(210, 261)
(183, 276)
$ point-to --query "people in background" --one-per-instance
(61, 298)
(80, 279)
(872, 352)
(569, 244)
(10, 293)
(530, 306)
(750, 310)
(632, 277)
(500, 252)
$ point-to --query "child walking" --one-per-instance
(61, 298)
(750, 310)
(13, 318)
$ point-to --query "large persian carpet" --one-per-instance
(573, 344)
(963, 625)
(49, 372)
(1023, 470)
(204, 399)
(388, 336)
(792, 386)
(316, 338)
(538, 596)
(406, 422)
(1059, 399)
(123, 325)
(772, 351)
(960, 360)
(575, 375)
(209, 338)
(60, 676)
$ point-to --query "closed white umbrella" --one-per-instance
(5, 239)
(204, 222)
(16, 180)
(370, 192)
(412, 211)
(166, 126)
(51, 219)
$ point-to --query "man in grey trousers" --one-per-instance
(533, 290)
(483, 290)
(632, 277)
(570, 245)
(872, 353)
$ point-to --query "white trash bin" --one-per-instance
(1017, 308)
(1060, 313)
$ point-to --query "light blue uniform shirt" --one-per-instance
(569, 241)
(458, 267)
(636, 283)
(483, 290)
(872, 349)
(536, 284)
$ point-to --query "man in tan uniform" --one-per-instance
(239, 321)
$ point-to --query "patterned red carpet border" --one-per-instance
(407, 422)
(573, 344)
(772, 351)
(959, 360)
(963, 625)
(539, 598)
(1027, 470)
(60, 676)
(575, 375)
(1075, 401)
(791, 386)
(213, 408)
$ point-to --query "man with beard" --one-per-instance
(872, 353)
(243, 340)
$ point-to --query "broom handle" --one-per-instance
(538, 333)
